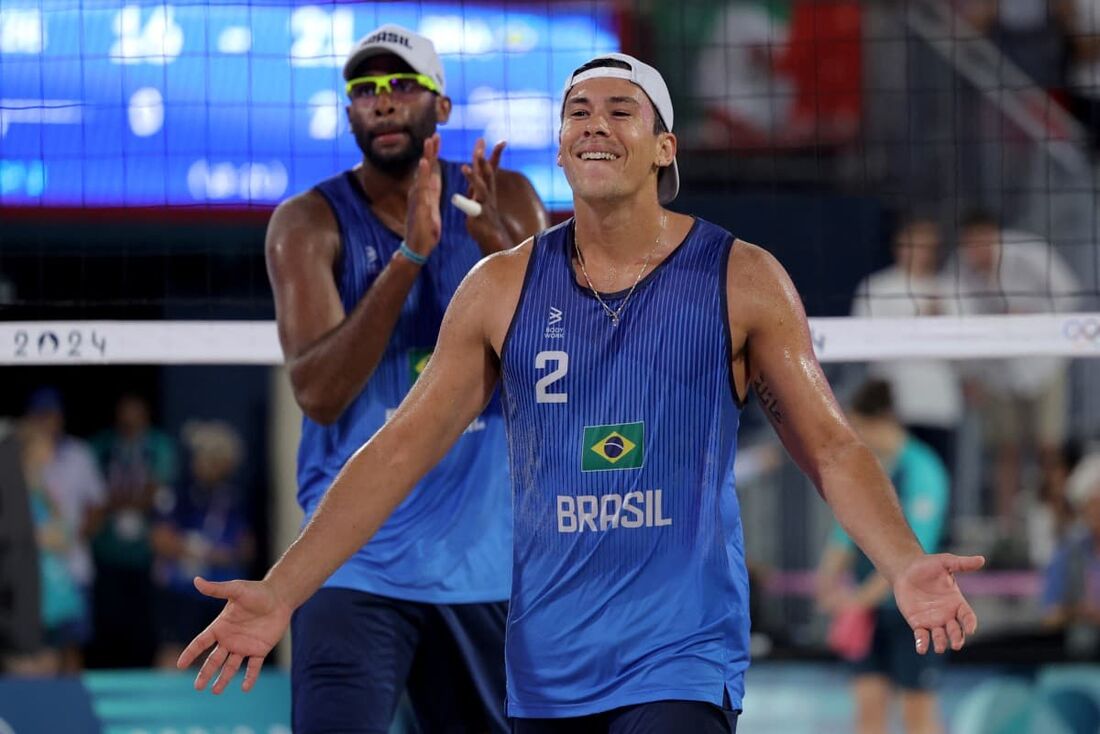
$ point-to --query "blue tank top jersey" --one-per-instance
(629, 582)
(450, 540)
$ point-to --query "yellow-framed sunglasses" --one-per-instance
(404, 83)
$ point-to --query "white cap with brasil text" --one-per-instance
(413, 48)
(653, 84)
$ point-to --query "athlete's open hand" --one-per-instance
(252, 622)
(423, 223)
(932, 603)
(481, 185)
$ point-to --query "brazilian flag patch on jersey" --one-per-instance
(418, 360)
(619, 446)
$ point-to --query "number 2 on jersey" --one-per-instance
(542, 387)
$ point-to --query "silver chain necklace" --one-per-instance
(616, 314)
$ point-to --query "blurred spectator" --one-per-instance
(138, 461)
(1084, 70)
(1011, 272)
(1050, 520)
(201, 530)
(1071, 592)
(66, 471)
(20, 619)
(1033, 34)
(885, 660)
(62, 603)
(927, 395)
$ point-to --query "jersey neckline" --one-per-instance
(570, 248)
(361, 193)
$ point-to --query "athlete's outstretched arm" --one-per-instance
(448, 396)
(774, 355)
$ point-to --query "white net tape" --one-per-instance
(835, 340)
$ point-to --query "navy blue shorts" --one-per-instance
(656, 717)
(894, 655)
(355, 654)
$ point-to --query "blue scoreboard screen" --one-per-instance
(116, 104)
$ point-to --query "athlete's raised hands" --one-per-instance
(487, 228)
(423, 224)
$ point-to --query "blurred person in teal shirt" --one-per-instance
(885, 661)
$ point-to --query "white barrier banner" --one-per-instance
(835, 340)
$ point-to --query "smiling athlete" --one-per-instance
(625, 341)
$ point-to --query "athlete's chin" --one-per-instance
(395, 147)
(594, 188)
(391, 160)
(609, 191)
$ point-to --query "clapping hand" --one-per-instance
(423, 223)
(481, 185)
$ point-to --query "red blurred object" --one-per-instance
(825, 60)
(808, 72)
(851, 633)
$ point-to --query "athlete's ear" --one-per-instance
(442, 109)
(666, 149)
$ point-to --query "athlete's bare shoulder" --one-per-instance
(493, 289)
(766, 318)
(757, 285)
(751, 264)
(509, 263)
(303, 225)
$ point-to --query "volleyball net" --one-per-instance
(143, 146)
(835, 340)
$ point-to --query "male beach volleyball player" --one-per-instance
(625, 341)
(363, 267)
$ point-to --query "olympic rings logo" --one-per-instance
(1082, 330)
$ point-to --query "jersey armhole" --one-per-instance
(519, 302)
(724, 305)
(341, 235)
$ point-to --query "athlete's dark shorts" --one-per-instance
(894, 655)
(657, 717)
(355, 653)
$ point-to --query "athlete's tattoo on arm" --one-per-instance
(768, 399)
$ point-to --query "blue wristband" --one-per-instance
(411, 256)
